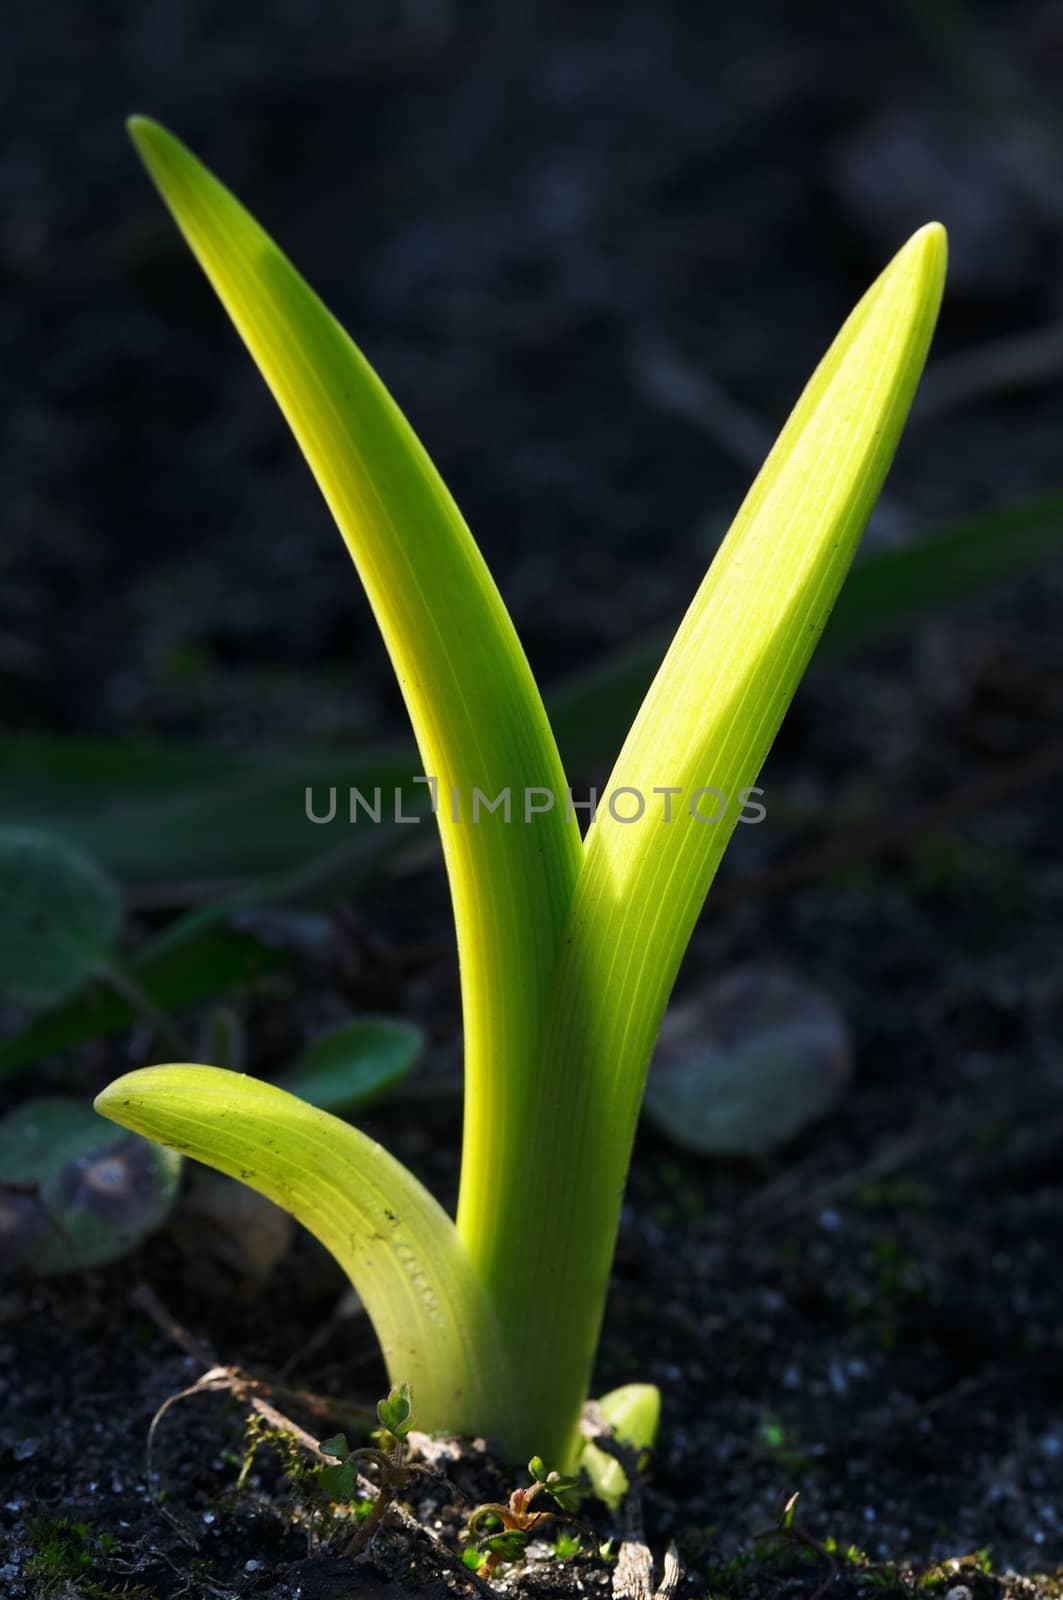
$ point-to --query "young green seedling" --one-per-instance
(517, 1521)
(387, 1464)
(568, 947)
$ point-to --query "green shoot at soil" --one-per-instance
(568, 946)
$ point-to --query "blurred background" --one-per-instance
(595, 252)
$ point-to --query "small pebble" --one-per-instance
(959, 1591)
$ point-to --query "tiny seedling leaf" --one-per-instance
(394, 1412)
(509, 1545)
(337, 1482)
(59, 916)
(336, 1446)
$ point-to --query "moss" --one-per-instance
(65, 1552)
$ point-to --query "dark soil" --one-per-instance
(512, 217)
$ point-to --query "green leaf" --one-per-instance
(355, 1063)
(509, 1545)
(476, 713)
(567, 955)
(560, 1483)
(90, 1193)
(706, 724)
(633, 1412)
(885, 592)
(893, 588)
(59, 916)
(401, 1251)
(336, 1446)
(338, 1482)
(394, 1412)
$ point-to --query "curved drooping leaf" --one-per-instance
(59, 916)
(398, 1247)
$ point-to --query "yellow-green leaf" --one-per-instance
(476, 713)
(395, 1242)
(707, 723)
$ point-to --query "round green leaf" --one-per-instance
(80, 1191)
(59, 916)
(347, 1068)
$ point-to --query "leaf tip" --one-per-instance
(159, 149)
(144, 131)
(109, 1102)
(122, 1096)
(926, 252)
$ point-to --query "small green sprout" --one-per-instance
(387, 1464)
(630, 1414)
(568, 946)
(567, 1545)
(517, 1523)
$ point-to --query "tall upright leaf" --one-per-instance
(476, 712)
(706, 725)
